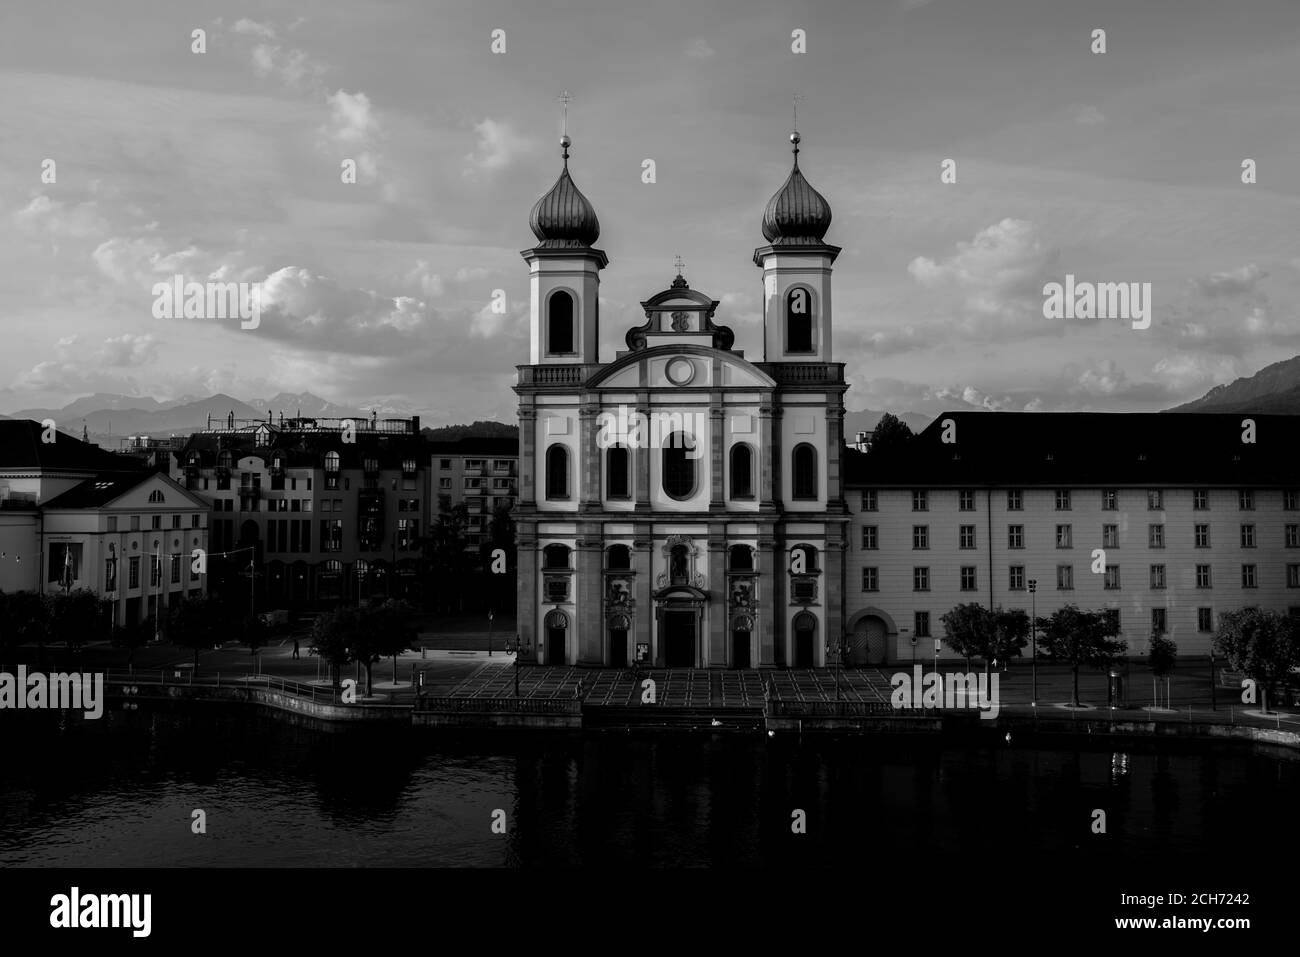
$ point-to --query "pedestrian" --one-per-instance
(295, 647)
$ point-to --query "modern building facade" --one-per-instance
(480, 472)
(680, 505)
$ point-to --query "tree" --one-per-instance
(392, 625)
(890, 432)
(77, 617)
(976, 632)
(253, 633)
(501, 534)
(1263, 645)
(445, 546)
(1081, 638)
(135, 635)
(197, 623)
(1161, 656)
(333, 636)
(25, 620)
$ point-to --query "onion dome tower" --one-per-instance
(796, 266)
(564, 272)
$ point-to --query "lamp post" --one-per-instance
(1033, 626)
(490, 633)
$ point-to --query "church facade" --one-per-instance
(681, 505)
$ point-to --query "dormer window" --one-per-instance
(331, 461)
(156, 497)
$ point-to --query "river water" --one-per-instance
(121, 791)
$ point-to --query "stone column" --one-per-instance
(835, 452)
(832, 590)
(716, 447)
(527, 606)
(641, 456)
(643, 588)
(527, 451)
(590, 492)
(589, 629)
(767, 461)
(715, 650)
(767, 598)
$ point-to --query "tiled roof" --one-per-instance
(21, 448)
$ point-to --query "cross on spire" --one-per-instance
(564, 98)
(679, 264)
(794, 109)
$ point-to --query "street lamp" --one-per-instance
(489, 632)
(1033, 625)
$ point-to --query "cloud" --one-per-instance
(56, 219)
(472, 273)
(128, 350)
(698, 48)
(498, 146)
(1002, 263)
(244, 25)
(1235, 282)
(428, 282)
(294, 67)
(1089, 116)
(355, 130)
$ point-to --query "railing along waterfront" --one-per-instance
(499, 705)
(186, 678)
(844, 709)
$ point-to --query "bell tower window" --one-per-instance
(804, 466)
(798, 320)
(559, 324)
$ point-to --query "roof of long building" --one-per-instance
(1087, 448)
(21, 447)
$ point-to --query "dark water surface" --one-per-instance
(120, 792)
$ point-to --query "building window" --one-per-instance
(968, 578)
(1016, 578)
(1062, 499)
(1015, 500)
(966, 500)
(1291, 499)
(1109, 499)
(870, 537)
(679, 478)
(407, 532)
(1157, 576)
(1293, 576)
(155, 521)
(1063, 537)
(1110, 578)
(442, 483)
(966, 536)
(557, 472)
(871, 579)
(176, 569)
(1205, 619)
(620, 557)
(1159, 624)
(1155, 536)
(920, 579)
(155, 571)
(555, 556)
(1203, 577)
(1064, 577)
(135, 523)
(1292, 537)
(559, 324)
(133, 572)
(1248, 536)
(1155, 499)
(869, 502)
(1110, 536)
(1201, 501)
(1202, 536)
(110, 575)
(1246, 500)
(798, 320)
(618, 472)
(920, 501)
(742, 471)
(1015, 536)
(920, 536)
(176, 521)
(1249, 578)
(804, 467)
(331, 535)
(444, 464)
(112, 523)
(921, 624)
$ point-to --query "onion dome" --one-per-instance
(797, 214)
(564, 217)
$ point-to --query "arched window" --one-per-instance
(741, 558)
(557, 472)
(618, 557)
(331, 461)
(804, 471)
(194, 460)
(678, 467)
(798, 320)
(156, 496)
(809, 552)
(277, 462)
(224, 460)
(555, 556)
(559, 324)
(742, 471)
(618, 478)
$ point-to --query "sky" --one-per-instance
(1123, 166)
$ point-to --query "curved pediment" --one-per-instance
(681, 593)
(648, 368)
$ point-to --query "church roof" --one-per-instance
(563, 217)
(797, 215)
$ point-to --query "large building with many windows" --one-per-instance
(681, 504)
(480, 472)
(307, 512)
(1171, 519)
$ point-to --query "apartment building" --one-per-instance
(479, 471)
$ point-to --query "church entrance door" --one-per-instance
(740, 649)
(618, 647)
(679, 639)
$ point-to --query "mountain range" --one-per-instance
(1273, 389)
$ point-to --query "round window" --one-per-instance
(680, 370)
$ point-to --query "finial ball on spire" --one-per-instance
(565, 141)
(795, 138)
